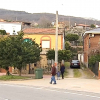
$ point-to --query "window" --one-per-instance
(45, 44)
(91, 35)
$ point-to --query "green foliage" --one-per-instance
(71, 37)
(67, 46)
(5, 52)
(72, 50)
(62, 55)
(15, 52)
(50, 54)
(3, 32)
(93, 59)
(92, 26)
(11, 77)
(97, 57)
(26, 52)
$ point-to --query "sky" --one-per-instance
(77, 8)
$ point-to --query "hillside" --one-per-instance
(35, 17)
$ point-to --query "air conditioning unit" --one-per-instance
(91, 35)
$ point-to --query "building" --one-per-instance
(91, 42)
(46, 38)
(81, 26)
(11, 27)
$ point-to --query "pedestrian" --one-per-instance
(58, 75)
(53, 73)
(62, 69)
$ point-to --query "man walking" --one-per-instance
(53, 73)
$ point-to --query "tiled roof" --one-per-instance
(83, 25)
(40, 30)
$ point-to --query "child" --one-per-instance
(58, 75)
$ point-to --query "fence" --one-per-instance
(94, 68)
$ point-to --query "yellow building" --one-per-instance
(46, 38)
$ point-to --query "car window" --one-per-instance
(75, 61)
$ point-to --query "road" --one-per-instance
(24, 92)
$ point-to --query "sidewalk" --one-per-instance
(78, 84)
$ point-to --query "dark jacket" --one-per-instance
(53, 71)
(62, 69)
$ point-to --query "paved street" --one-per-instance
(65, 89)
(25, 92)
(78, 84)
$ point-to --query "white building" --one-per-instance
(11, 27)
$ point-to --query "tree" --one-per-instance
(67, 46)
(5, 53)
(71, 37)
(92, 26)
(44, 22)
(27, 52)
(73, 51)
(3, 32)
(15, 52)
(62, 55)
(50, 54)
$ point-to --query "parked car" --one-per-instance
(75, 64)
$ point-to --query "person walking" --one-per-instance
(62, 69)
(53, 73)
(58, 75)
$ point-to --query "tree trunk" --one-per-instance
(19, 72)
(29, 68)
(7, 71)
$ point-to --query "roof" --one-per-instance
(4, 22)
(84, 25)
(41, 30)
(94, 31)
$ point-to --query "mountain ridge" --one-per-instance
(36, 17)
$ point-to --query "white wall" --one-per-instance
(81, 57)
(9, 27)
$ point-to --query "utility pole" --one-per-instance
(63, 43)
(56, 42)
